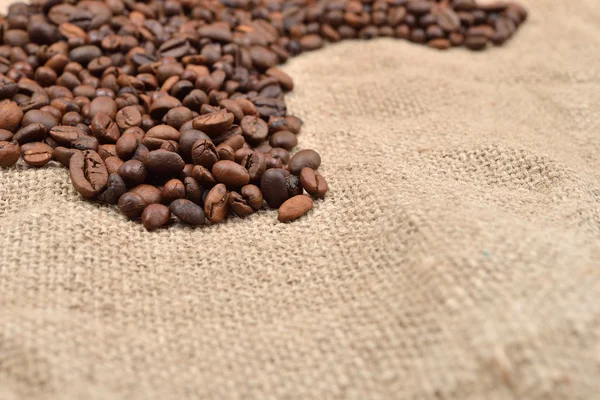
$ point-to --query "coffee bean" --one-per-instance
(104, 105)
(255, 163)
(204, 153)
(150, 194)
(104, 128)
(203, 176)
(193, 191)
(177, 116)
(161, 106)
(85, 54)
(155, 216)
(114, 190)
(9, 153)
(313, 182)
(283, 79)
(173, 190)
(476, 42)
(88, 173)
(86, 143)
(164, 132)
(126, 145)
(133, 172)
(294, 186)
(128, 117)
(188, 212)
(214, 123)
(279, 153)
(113, 164)
(131, 205)
(284, 139)
(273, 186)
(163, 162)
(37, 116)
(31, 133)
(63, 155)
(294, 208)
(230, 173)
(65, 135)
(302, 159)
(6, 136)
(254, 129)
(233, 107)
(187, 140)
(216, 203)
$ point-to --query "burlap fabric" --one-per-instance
(456, 256)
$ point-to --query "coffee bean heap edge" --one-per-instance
(177, 107)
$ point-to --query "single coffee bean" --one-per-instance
(239, 205)
(302, 159)
(163, 162)
(214, 123)
(193, 191)
(126, 145)
(114, 190)
(178, 116)
(204, 153)
(248, 108)
(128, 117)
(140, 152)
(66, 135)
(131, 205)
(225, 152)
(284, 79)
(104, 128)
(155, 216)
(164, 132)
(31, 133)
(216, 203)
(86, 143)
(133, 172)
(37, 116)
(88, 173)
(161, 106)
(173, 190)
(6, 136)
(235, 142)
(256, 165)
(107, 150)
(313, 182)
(294, 186)
(36, 154)
(188, 212)
(283, 139)
(279, 153)
(254, 129)
(294, 208)
(10, 115)
(150, 194)
(274, 187)
(63, 155)
(253, 196)
(230, 173)
(113, 164)
(104, 105)
(9, 153)
(187, 140)
(204, 177)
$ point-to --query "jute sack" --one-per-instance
(456, 256)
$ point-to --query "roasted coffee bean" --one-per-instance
(284, 139)
(302, 159)
(188, 212)
(37, 116)
(204, 153)
(239, 205)
(63, 155)
(193, 191)
(131, 205)
(313, 182)
(31, 133)
(164, 132)
(294, 186)
(128, 117)
(113, 164)
(114, 190)
(178, 116)
(66, 135)
(36, 154)
(88, 173)
(163, 162)
(6, 136)
(255, 163)
(273, 186)
(214, 123)
(294, 208)
(86, 143)
(230, 173)
(104, 128)
(173, 190)
(279, 153)
(225, 152)
(155, 216)
(203, 176)
(133, 172)
(9, 153)
(216, 203)
(150, 194)
(254, 129)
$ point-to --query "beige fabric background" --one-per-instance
(456, 257)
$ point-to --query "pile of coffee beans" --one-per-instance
(176, 107)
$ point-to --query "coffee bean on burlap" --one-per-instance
(294, 208)
(155, 216)
(9, 153)
(114, 190)
(216, 203)
(188, 212)
(274, 187)
(88, 173)
(63, 155)
(131, 205)
(313, 182)
(36, 154)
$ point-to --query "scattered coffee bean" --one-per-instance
(187, 211)
(131, 205)
(88, 173)
(302, 159)
(216, 203)
(156, 216)
(294, 208)
(313, 182)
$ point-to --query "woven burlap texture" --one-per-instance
(456, 256)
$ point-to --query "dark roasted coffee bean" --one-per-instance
(193, 190)
(173, 190)
(128, 117)
(164, 132)
(63, 155)
(31, 133)
(216, 203)
(225, 152)
(476, 42)
(86, 143)
(204, 153)
(105, 105)
(294, 208)
(230, 173)
(88, 173)
(279, 153)
(313, 182)
(150, 194)
(274, 187)
(113, 164)
(36, 154)
(284, 139)
(294, 186)
(239, 205)
(126, 145)
(176, 117)
(66, 135)
(304, 158)
(255, 163)
(188, 212)
(133, 172)
(163, 162)
(9, 153)
(254, 129)
(203, 176)
(155, 216)
(187, 140)
(114, 190)
(6, 136)
(214, 123)
(131, 205)
(37, 116)
(104, 128)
